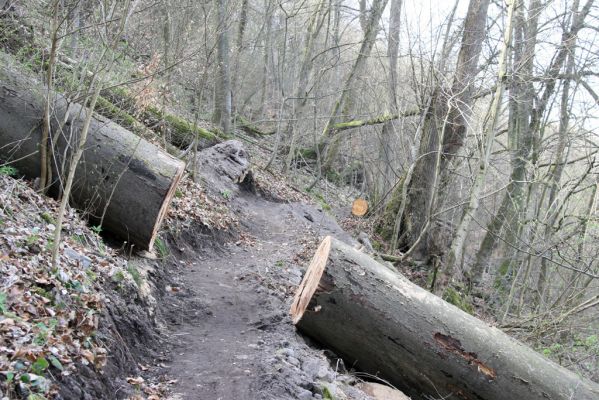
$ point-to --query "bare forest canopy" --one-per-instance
(469, 126)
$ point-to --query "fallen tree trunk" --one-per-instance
(123, 181)
(250, 127)
(383, 324)
(341, 126)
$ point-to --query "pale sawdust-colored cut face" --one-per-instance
(359, 207)
(309, 284)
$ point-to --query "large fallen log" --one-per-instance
(122, 180)
(383, 324)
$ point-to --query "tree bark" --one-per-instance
(223, 91)
(386, 142)
(444, 132)
(459, 239)
(329, 141)
(123, 181)
(383, 324)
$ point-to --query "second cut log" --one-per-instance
(383, 324)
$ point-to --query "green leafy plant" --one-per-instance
(39, 366)
(226, 194)
(3, 307)
(161, 248)
(78, 238)
(56, 363)
(118, 276)
(8, 170)
(134, 274)
(32, 239)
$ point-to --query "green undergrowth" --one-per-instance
(319, 198)
(458, 299)
(386, 223)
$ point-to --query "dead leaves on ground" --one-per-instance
(192, 204)
(48, 316)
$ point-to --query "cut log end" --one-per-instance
(165, 204)
(311, 280)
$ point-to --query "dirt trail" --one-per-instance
(228, 328)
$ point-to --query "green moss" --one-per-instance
(452, 296)
(319, 198)
(109, 110)
(378, 246)
(46, 216)
(333, 176)
(250, 127)
(307, 153)
(181, 130)
(386, 224)
(501, 281)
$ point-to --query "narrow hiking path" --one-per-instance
(229, 332)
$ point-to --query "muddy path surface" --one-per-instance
(228, 331)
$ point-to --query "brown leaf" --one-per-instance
(135, 381)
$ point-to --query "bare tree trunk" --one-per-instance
(555, 171)
(388, 128)
(238, 48)
(329, 141)
(45, 149)
(301, 95)
(444, 132)
(223, 91)
(266, 55)
(459, 239)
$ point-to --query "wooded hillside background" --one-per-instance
(470, 127)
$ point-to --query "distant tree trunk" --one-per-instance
(266, 55)
(457, 246)
(363, 16)
(301, 95)
(238, 49)
(388, 128)
(556, 170)
(329, 141)
(75, 25)
(222, 112)
(443, 133)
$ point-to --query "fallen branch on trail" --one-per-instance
(123, 181)
(383, 324)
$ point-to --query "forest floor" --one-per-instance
(206, 320)
(225, 296)
(229, 332)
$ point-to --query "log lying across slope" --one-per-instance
(381, 323)
(122, 180)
